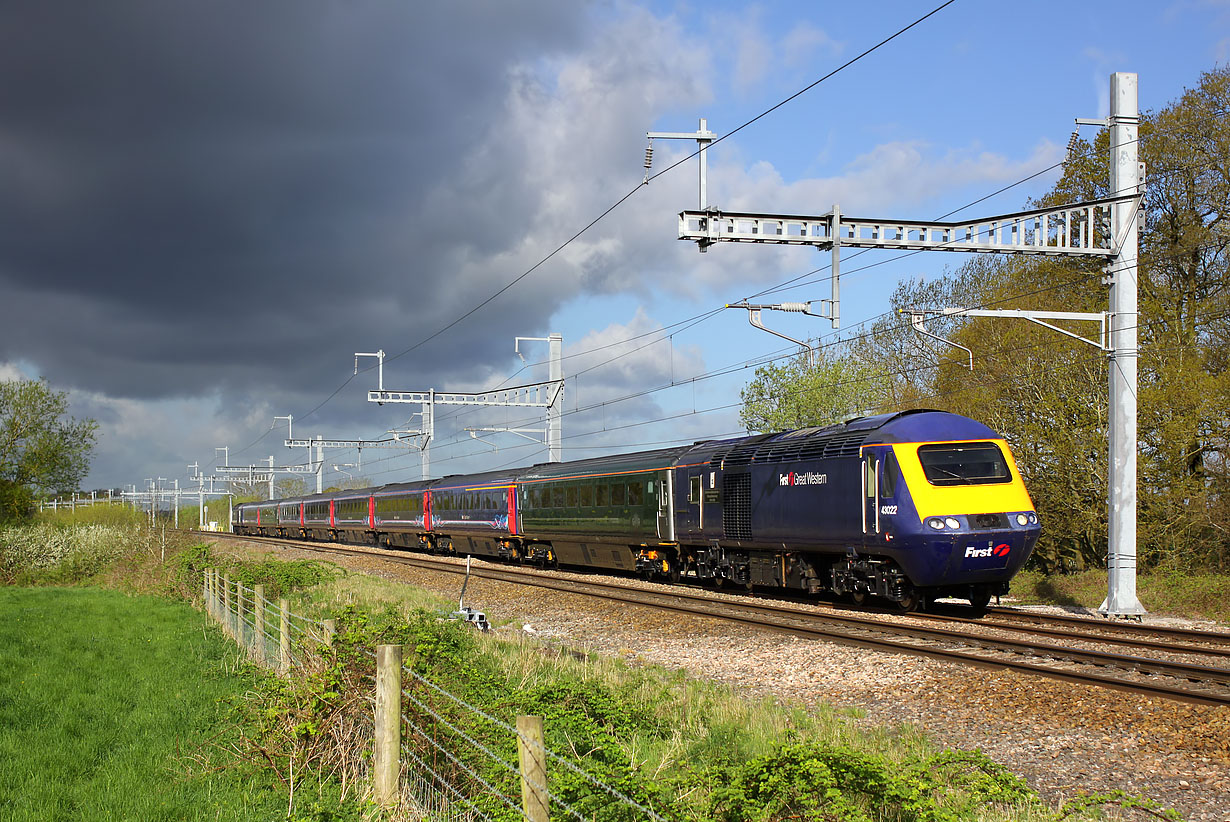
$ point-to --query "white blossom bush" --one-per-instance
(63, 553)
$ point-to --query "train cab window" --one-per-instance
(587, 496)
(694, 490)
(967, 463)
(635, 495)
(618, 493)
(888, 476)
(602, 495)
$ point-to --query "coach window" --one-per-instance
(618, 493)
(636, 496)
(587, 496)
(557, 494)
(603, 495)
(570, 498)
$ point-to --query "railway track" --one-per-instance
(1177, 664)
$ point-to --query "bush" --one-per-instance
(48, 553)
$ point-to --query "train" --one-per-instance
(904, 508)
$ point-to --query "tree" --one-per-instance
(797, 394)
(1048, 394)
(290, 487)
(41, 451)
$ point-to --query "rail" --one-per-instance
(1132, 672)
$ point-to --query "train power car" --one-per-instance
(906, 507)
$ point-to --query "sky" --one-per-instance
(206, 209)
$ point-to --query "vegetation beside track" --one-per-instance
(1193, 595)
(698, 750)
(111, 707)
(692, 749)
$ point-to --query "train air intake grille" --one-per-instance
(737, 506)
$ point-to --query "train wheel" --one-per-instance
(979, 598)
(909, 601)
(859, 598)
(672, 571)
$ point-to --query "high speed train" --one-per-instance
(905, 507)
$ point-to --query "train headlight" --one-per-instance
(952, 522)
(1022, 519)
(937, 524)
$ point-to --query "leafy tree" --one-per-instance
(41, 451)
(290, 487)
(1048, 393)
(797, 394)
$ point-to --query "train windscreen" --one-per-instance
(966, 463)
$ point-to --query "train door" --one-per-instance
(871, 496)
(512, 510)
(666, 517)
(691, 509)
(880, 479)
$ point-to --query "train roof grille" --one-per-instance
(793, 448)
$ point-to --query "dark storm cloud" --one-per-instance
(233, 194)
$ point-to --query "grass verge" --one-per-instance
(1190, 595)
(110, 707)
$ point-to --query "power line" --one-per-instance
(704, 316)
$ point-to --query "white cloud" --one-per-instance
(804, 42)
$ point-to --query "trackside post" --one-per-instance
(258, 623)
(532, 757)
(386, 759)
(284, 636)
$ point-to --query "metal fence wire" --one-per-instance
(458, 762)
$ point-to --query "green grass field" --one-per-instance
(108, 704)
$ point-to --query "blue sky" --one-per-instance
(208, 213)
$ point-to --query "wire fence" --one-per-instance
(450, 760)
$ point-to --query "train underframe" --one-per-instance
(854, 578)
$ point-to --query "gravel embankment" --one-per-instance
(1064, 739)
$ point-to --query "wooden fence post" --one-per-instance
(330, 632)
(226, 603)
(213, 593)
(258, 622)
(531, 754)
(386, 756)
(241, 627)
(284, 636)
